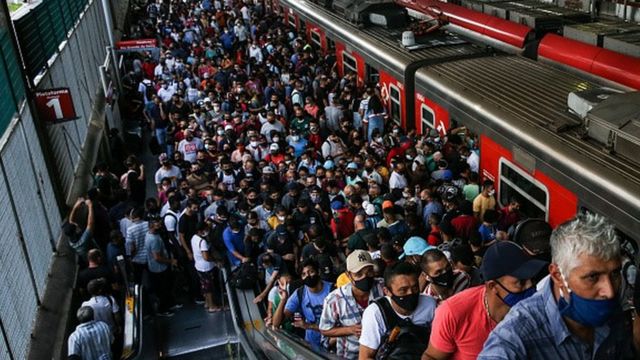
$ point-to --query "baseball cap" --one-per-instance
(281, 230)
(508, 258)
(358, 260)
(352, 165)
(387, 204)
(337, 204)
(274, 147)
(163, 157)
(415, 245)
(267, 170)
(328, 165)
(228, 127)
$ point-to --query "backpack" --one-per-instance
(411, 340)
(244, 277)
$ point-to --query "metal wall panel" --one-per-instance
(18, 300)
(42, 174)
(33, 221)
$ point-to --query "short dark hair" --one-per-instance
(487, 183)
(431, 255)
(401, 268)
(310, 262)
(462, 254)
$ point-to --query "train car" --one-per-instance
(530, 144)
(375, 53)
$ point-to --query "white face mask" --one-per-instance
(220, 132)
(280, 218)
(492, 192)
(295, 138)
(254, 144)
(276, 139)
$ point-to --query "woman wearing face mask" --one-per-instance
(402, 302)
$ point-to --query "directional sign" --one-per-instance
(55, 105)
(140, 44)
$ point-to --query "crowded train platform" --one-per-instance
(264, 166)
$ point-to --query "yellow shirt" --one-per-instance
(343, 279)
(482, 204)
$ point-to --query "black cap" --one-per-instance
(508, 258)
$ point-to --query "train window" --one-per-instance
(533, 195)
(330, 43)
(315, 38)
(428, 118)
(349, 63)
(373, 77)
(292, 20)
(395, 105)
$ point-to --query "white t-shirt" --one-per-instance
(103, 309)
(474, 161)
(397, 181)
(173, 172)
(198, 245)
(373, 327)
(189, 149)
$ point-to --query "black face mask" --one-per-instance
(445, 279)
(311, 281)
(364, 284)
(407, 302)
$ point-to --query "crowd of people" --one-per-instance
(370, 242)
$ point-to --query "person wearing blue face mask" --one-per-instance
(577, 315)
(464, 321)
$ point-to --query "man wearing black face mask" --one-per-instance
(342, 313)
(444, 282)
(307, 301)
(402, 307)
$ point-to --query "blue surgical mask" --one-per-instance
(588, 312)
(513, 298)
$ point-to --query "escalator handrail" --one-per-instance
(276, 338)
(249, 351)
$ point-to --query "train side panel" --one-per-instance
(496, 161)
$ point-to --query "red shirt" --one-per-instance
(465, 225)
(462, 325)
(343, 225)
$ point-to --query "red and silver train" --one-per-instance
(559, 161)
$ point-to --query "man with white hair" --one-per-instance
(577, 314)
(92, 338)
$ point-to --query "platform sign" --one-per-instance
(55, 105)
(133, 45)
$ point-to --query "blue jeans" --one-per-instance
(161, 136)
(375, 122)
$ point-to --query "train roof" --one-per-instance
(381, 45)
(525, 102)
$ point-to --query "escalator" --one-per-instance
(193, 334)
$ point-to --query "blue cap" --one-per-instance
(281, 230)
(328, 165)
(415, 245)
(337, 204)
(352, 165)
(508, 258)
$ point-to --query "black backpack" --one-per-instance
(244, 277)
(409, 344)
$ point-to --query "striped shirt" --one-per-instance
(341, 310)
(461, 281)
(534, 329)
(91, 340)
(136, 235)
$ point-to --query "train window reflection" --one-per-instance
(315, 38)
(514, 182)
(349, 63)
(427, 118)
(394, 95)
